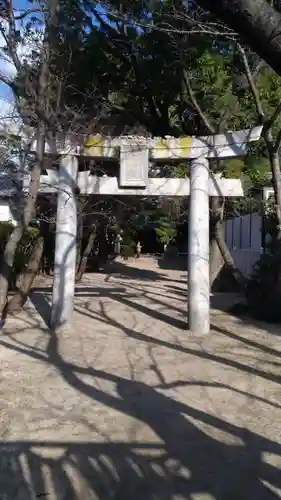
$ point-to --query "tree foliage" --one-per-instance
(154, 68)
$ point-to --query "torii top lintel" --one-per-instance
(221, 145)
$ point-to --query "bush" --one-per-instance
(128, 248)
(25, 247)
(165, 234)
(5, 231)
(49, 234)
(264, 289)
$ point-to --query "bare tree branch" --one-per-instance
(253, 87)
(194, 101)
(270, 122)
(277, 142)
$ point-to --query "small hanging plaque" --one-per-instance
(134, 160)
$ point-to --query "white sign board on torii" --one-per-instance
(134, 154)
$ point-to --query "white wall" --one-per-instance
(243, 236)
(244, 232)
(245, 259)
(5, 212)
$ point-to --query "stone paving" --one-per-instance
(127, 405)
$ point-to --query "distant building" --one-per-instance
(9, 198)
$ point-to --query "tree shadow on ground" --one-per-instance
(131, 300)
(221, 301)
(175, 263)
(125, 296)
(178, 290)
(103, 317)
(245, 319)
(41, 298)
(133, 272)
(195, 455)
(246, 341)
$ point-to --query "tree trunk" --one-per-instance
(30, 205)
(256, 21)
(79, 241)
(227, 257)
(7, 264)
(86, 253)
(276, 181)
(218, 243)
(216, 261)
(16, 303)
(29, 210)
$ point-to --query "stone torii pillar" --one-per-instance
(231, 144)
(134, 180)
(198, 248)
(65, 249)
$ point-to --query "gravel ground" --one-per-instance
(127, 405)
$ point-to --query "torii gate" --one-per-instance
(133, 180)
